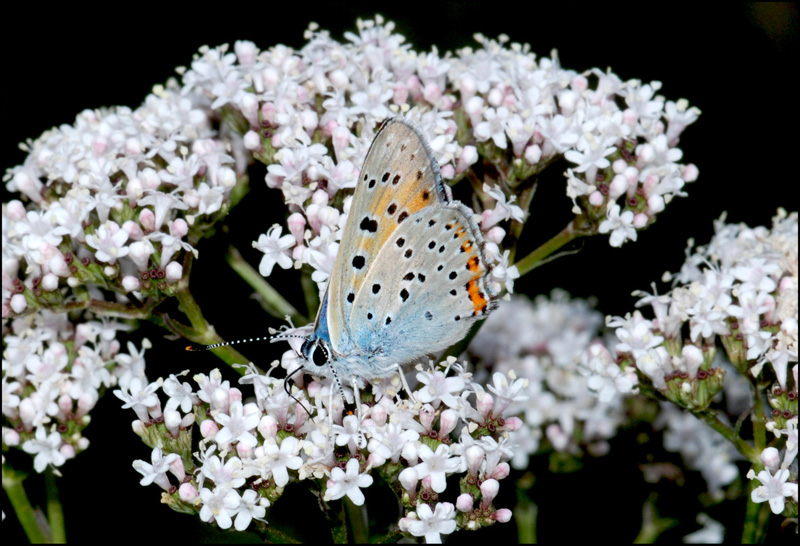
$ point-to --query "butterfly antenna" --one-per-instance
(293, 397)
(274, 337)
(196, 348)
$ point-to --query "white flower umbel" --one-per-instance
(414, 447)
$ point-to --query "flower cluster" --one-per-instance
(542, 341)
(313, 112)
(109, 207)
(740, 290)
(113, 201)
(251, 450)
(54, 372)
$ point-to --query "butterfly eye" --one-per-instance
(320, 355)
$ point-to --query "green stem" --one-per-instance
(12, 485)
(55, 512)
(357, 517)
(538, 256)
(756, 516)
(271, 300)
(749, 452)
(311, 293)
(201, 332)
(515, 229)
(652, 524)
(525, 511)
(759, 419)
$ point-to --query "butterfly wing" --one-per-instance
(428, 286)
(399, 179)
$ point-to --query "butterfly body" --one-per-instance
(411, 275)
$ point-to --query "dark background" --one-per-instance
(735, 64)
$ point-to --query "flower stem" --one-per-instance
(201, 332)
(756, 516)
(271, 300)
(55, 512)
(27, 516)
(748, 451)
(357, 518)
(538, 256)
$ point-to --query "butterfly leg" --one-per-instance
(395, 368)
(362, 442)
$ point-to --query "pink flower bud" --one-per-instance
(408, 479)
(130, 283)
(188, 492)
(485, 403)
(501, 471)
(174, 272)
(410, 453)
(268, 427)
(147, 219)
(690, 172)
(177, 469)
(447, 422)
(133, 230)
(252, 141)
(10, 437)
(771, 458)
(426, 416)
(243, 451)
(640, 220)
(503, 515)
(179, 228)
(18, 303)
(513, 423)
(49, 282)
(58, 265)
(464, 502)
(474, 456)
(496, 235)
(596, 199)
(15, 210)
(208, 429)
(533, 154)
(172, 420)
(489, 490)
(67, 450)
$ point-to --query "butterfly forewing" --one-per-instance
(400, 178)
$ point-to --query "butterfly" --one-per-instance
(411, 275)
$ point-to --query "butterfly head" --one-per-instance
(316, 352)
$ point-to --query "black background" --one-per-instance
(735, 64)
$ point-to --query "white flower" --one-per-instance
(283, 457)
(46, 447)
(620, 226)
(219, 505)
(436, 465)
(275, 249)
(237, 424)
(109, 241)
(774, 488)
(431, 524)
(347, 482)
(157, 471)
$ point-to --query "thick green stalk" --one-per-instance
(12, 485)
(749, 452)
(538, 256)
(201, 332)
(271, 300)
(55, 512)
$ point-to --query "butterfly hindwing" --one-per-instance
(429, 287)
(400, 178)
